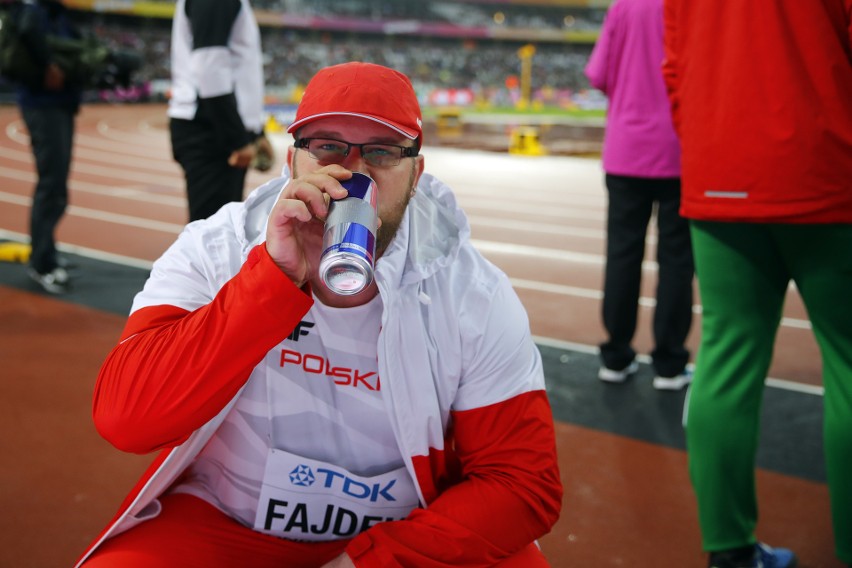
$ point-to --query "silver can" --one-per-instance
(349, 242)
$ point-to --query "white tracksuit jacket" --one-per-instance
(462, 380)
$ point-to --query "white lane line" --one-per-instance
(517, 207)
(107, 256)
(155, 149)
(145, 164)
(644, 301)
(121, 192)
(16, 132)
(15, 199)
(17, 155)
(117, 218)
(547, 228)
(141, 172)
(544, 253)
(559, 289)
(141, 194)
(587, 258)
(494, 191)
(126, 220)
(149, 178)
(538, 227)
(782, 384)
(141, 133)
(87, 252)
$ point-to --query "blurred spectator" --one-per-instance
(216, 107)
(49, 111)
(641, 157)
(431, 61)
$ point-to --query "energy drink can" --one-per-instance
(349, 241)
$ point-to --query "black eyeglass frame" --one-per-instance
(404, 151)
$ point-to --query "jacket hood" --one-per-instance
(429, 237)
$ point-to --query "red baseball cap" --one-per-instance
(362, 89)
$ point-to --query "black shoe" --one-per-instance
(54, 282)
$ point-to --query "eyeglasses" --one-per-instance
(330, 151)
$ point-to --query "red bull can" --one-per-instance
(349, 242)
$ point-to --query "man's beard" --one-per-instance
(390, 224)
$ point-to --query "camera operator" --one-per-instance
(49, 110)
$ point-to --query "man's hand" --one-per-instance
(342, 561)
(54, 77)
(242, 157)
(265, 154)
(297, 221)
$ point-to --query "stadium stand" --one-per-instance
(468, 46)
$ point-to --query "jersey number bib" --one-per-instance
(305, 499)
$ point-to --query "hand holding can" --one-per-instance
(349, 243)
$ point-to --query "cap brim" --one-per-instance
(407, 132)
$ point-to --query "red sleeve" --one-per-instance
(175, 370)
(670, 61)
(510, 494)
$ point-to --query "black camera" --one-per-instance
(86, 61)
(89, 64)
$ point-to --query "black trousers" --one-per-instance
(51, 137)
(210, 181)
(632, 202)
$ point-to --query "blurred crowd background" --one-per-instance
(456, 52)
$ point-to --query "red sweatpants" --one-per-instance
(190, 533)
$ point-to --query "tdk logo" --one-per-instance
(303, 476)
(301, 329)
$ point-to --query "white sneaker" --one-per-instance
(55, 282)
(673, 383)
(613, 376)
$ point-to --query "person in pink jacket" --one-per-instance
(641, 158)
(406, 424)
(761, 95)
